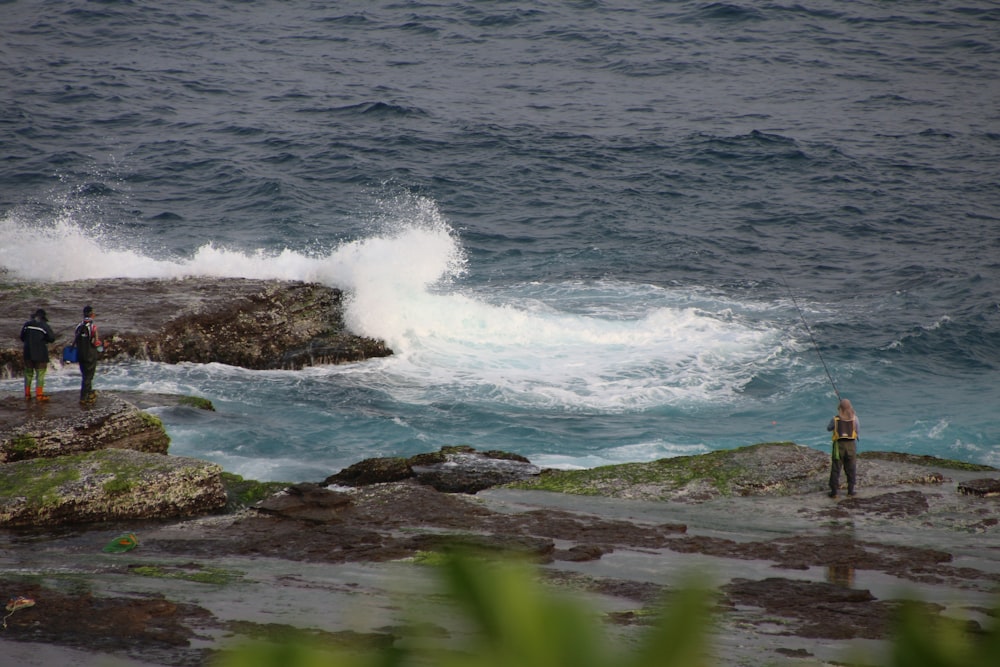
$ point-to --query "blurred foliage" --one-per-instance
(509, 619)
(925, 639)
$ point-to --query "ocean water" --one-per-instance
(592, 232)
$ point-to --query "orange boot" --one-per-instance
(27, 392)
(39, 395)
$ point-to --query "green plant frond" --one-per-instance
(680, 636)
(518, 620)
(931, 640)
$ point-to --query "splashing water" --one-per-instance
(516, 346)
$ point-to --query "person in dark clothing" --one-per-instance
(36, 335)
(846, 428)
(88, 345)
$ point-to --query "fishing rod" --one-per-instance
(806, 324)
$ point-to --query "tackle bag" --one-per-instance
(70, 355)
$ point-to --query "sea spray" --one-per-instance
(571, 346)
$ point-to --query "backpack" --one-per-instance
(82, 343)
(844, 430)
(82, 335)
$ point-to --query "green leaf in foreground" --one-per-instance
(509, 619)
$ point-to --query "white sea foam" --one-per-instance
(647, 451)
(937, 430)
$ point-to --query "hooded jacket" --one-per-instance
(36, 334)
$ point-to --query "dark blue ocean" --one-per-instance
(592, 232)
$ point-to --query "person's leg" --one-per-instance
(850, 456)
(91, 394)
(834, 476)
(29, 371)
(40, 369)
(87, 378)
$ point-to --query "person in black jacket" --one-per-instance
(36, 335)
(88, 344)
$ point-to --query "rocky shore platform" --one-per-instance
(123, 555)
(800, 578)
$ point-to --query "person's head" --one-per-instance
(88, 311)
(39, 315)
(845, 409)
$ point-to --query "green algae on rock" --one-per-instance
(775, 468)
(763, 468)
(107, 485)
(245, 492)
(197, 402)
(193, 572)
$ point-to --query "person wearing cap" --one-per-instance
(36, 335)
(88, 344)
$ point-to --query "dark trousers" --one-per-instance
(847, 459)
(87, 370)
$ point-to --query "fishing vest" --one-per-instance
(844, 430)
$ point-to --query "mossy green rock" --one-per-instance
(62, 426)
(776, 468)
(767, 467)
(107, 485)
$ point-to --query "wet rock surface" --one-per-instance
(798, 575)
(152, 629)
(815, 610)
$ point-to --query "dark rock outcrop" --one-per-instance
(256, 324)
(980, 487)
(451, 470)
(372, 471)
(471, 472)
(306, 502)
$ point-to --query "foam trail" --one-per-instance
(530, 352)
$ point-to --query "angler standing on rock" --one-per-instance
(845, 426)
(36, 334)
(88, 344)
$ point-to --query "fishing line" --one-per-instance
(804, 323)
